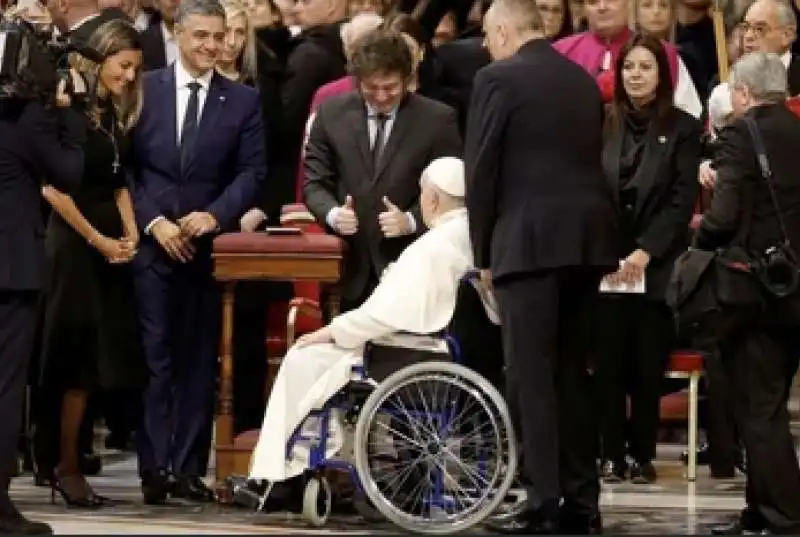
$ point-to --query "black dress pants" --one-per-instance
(762, 363)
(546, 318)
(17, 328)
(635, 337)
(719, 422)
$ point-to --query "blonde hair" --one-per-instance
(248, 67)
(109, 39)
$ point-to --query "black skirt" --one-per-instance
(91, 338)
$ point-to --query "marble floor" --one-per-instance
(672, 506)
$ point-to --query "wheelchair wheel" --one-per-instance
(317, 501)
(435, 465)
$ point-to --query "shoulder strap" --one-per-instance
(766, 172)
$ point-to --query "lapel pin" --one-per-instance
(662, 139)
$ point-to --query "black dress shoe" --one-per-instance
(529, 522)
(750, 522)
(572, 524)
(155, 488)
(16, 524)
(643, 473)
(192, 488)
(613, 472)
(703, 456)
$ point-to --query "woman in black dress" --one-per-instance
(90, 339)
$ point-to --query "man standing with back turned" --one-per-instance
(542, 228)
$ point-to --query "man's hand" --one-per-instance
(173, 241)
(346, 221)
(393, 221)
(706, 175)
(252, 219)
(323, 335)
(197, 223)
(632, 271)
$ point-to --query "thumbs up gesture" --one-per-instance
(346, 221)
(393, 221)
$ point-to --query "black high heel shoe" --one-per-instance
(91, 501)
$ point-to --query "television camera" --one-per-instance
(33, 64)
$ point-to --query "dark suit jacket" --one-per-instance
(458, 62)
(154, 54)
(536, 193)
(40, 146)
(227, 167)
(739, 182)
(338, 163)
(666, 191)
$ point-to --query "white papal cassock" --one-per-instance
(417, 295)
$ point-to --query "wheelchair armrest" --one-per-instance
(300, 305)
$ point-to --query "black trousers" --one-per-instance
(251, 309)
(762, 363)
(547, 318)
(17, 327)
(635, 337)
(719, 422)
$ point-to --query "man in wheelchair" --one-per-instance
(416, 295)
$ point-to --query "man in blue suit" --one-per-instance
(198, 160)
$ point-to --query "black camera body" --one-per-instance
(778, 270)
(33, 64)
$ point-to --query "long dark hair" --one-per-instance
(662, 104)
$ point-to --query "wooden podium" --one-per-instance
(261, 256)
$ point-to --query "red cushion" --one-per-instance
(259, 243)
(686, 361)
(247, 439)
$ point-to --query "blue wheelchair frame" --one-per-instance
(317, 453)
(318, 449)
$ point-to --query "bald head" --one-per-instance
(509, 24)
(769, 26)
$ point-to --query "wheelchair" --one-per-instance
(432, 447)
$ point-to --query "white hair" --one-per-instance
(763, 74)
(357, 27)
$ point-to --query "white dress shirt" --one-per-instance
(182, 93)
(170, 44)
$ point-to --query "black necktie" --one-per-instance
(380, 133)
(189, 130)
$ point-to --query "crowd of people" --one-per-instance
(591, 134)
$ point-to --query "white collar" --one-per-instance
(183, 78)
(786, 58)
(82, 21)
(168, 36)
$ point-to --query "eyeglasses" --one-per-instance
(760, 29)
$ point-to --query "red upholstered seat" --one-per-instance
(686, 361)
(247, 439)
(259, 242)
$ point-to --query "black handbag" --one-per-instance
(714, 293)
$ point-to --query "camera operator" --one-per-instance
(39, 143)
(761, 213)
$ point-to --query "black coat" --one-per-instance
(739, 182)
(536, 193)
(665, 189)
(40, 146)
(338, 163)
